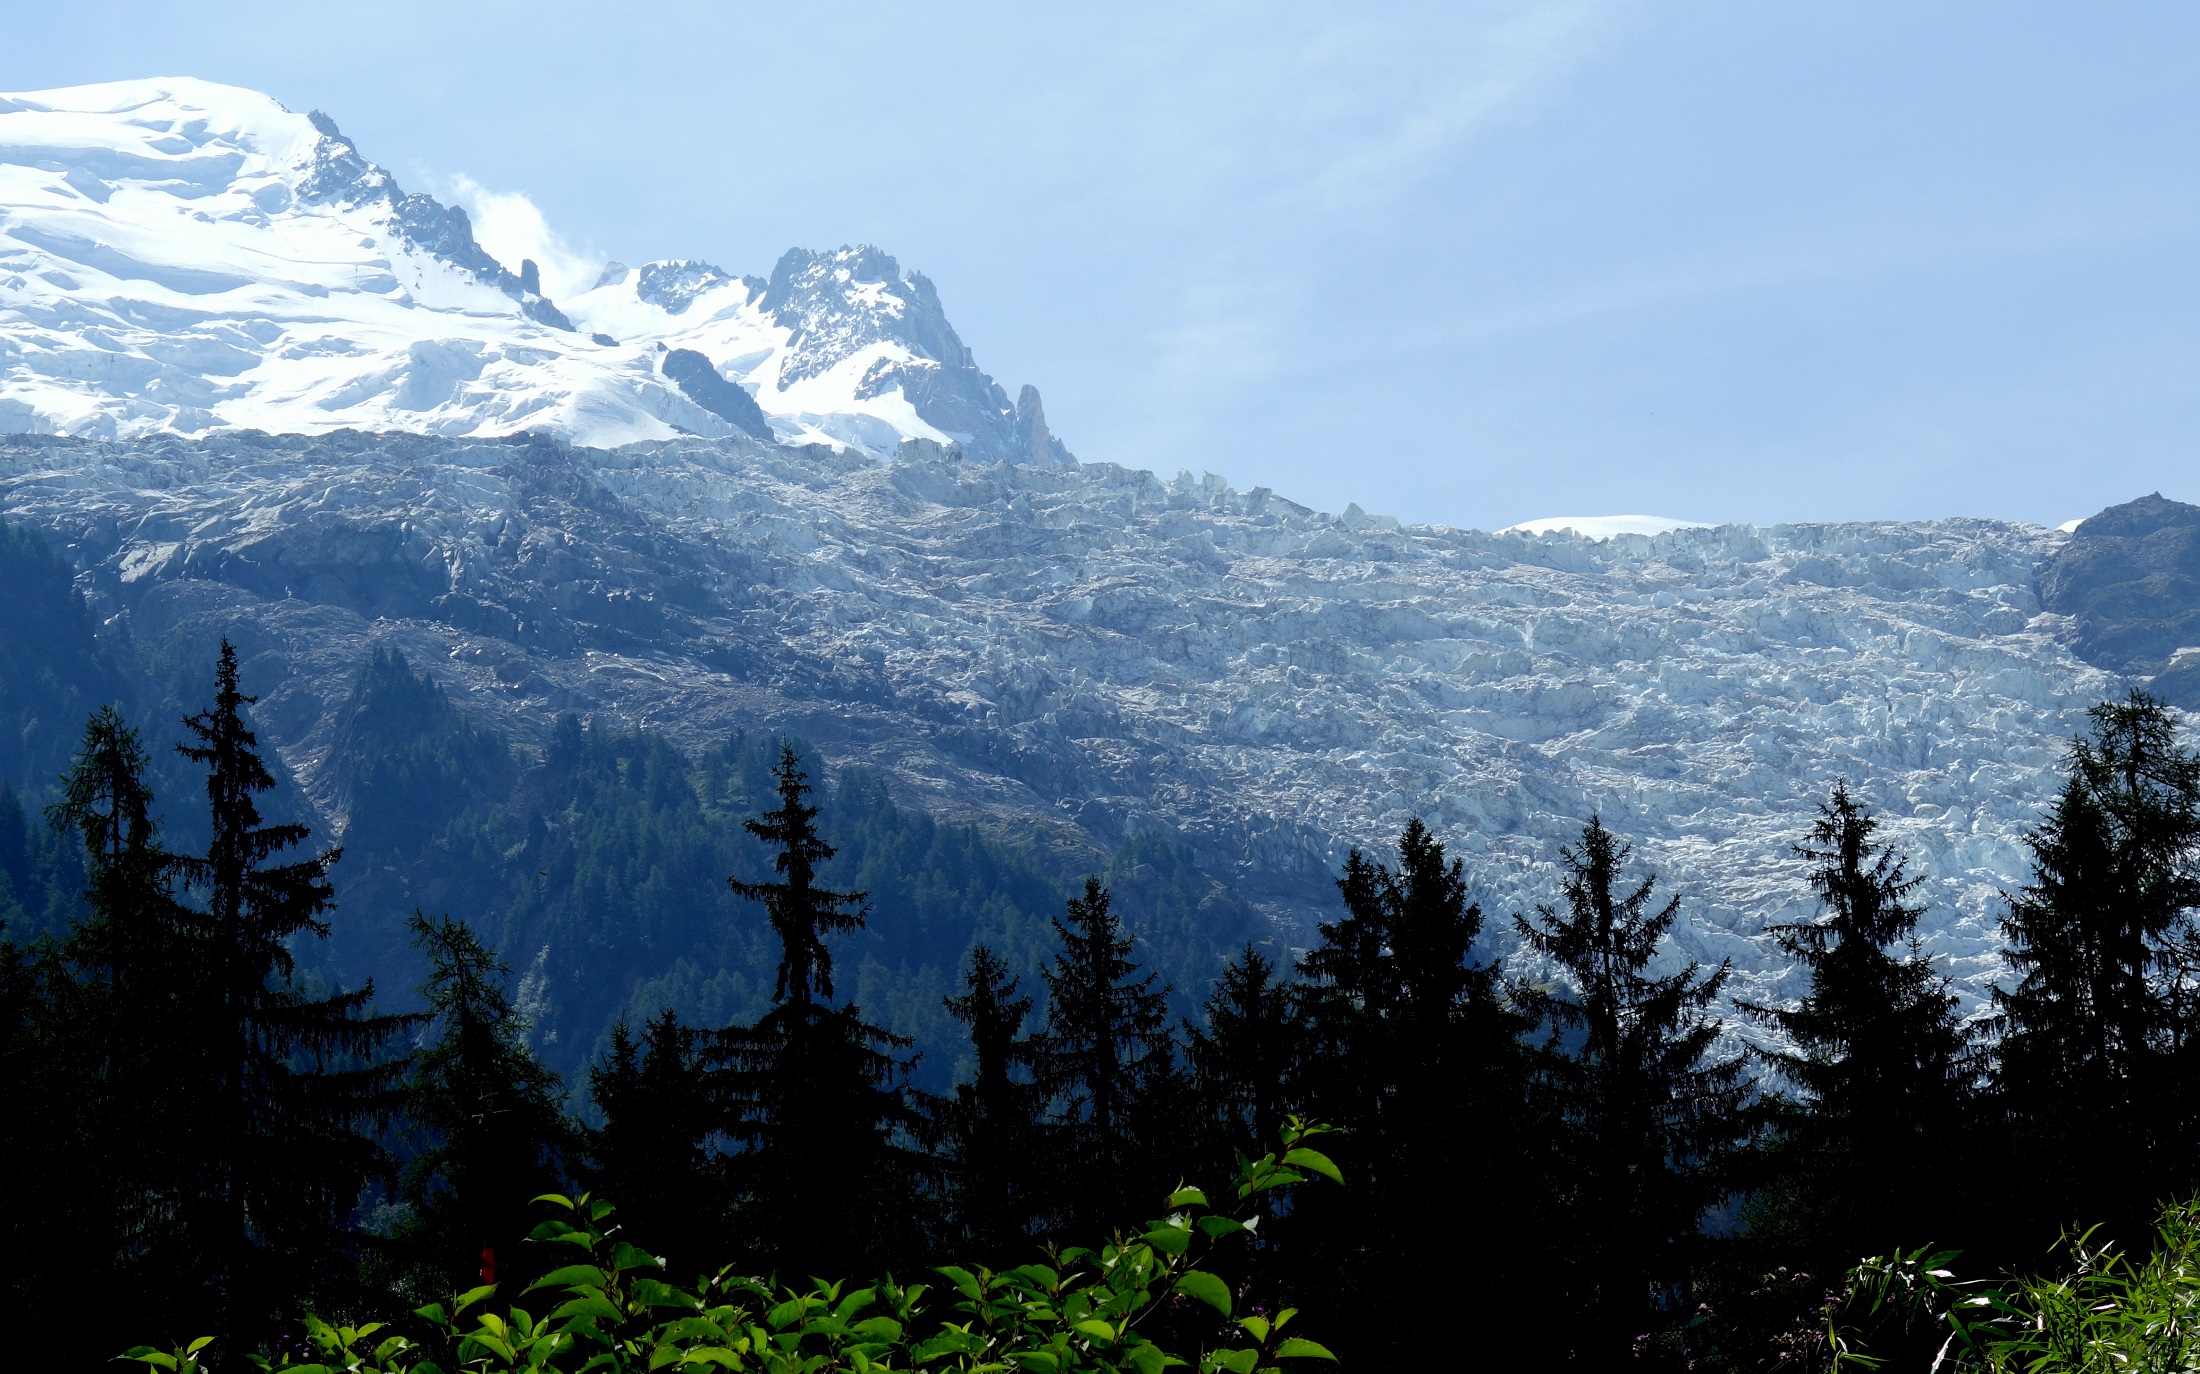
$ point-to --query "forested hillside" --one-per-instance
(598, 862)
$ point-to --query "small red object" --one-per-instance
(488, 1265)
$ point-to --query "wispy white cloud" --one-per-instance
(1320, 126)
(512, 227)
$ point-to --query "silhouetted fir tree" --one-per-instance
(1244, 1057)
(802, 913)
(1413, 1046)
(284, 1083)
(651, 1155)
(1870, 1152)
(1646, 1120)
(2092, 1033)
(1106, 1063)
(132, 929)
(493, 1116)
(128, 960)
(826, 1176)
(61, 1215)
(990, 1128)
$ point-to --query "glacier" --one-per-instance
(1091, 651)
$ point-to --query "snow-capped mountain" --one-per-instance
(187, 269)
(180, 256)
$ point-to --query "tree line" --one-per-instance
(1580, 1163)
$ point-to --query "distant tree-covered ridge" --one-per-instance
(596, 863)
(600, 865)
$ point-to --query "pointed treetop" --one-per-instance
(802, 913)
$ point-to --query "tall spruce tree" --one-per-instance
(1871, 1150)
(2089, 1074)
(493, 1118)
(68, 1210)
(990, 1127)
(1106, 1063)
(650, 1154)
(285, 1082)
(827, 1174)
(120, 988)
(802, 913)
(1243, 1057)
(1415, 1048)
(1647, 1120)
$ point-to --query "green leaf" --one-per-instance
(470, 1297)
(1300, 1349)
(571, 1276)
(1035, 1359)
(1148, 1358)
(1169, 1240)
(966, 1283)
(1317, 1161)
(878, 1329)
(1198, 1283)
(590, 1306)
(1217, 1226)
(1256, 1327)
(554, 1199)
(1096, 1330)
(1236, 1361)
(855, 1302)
(1187, 1197)
(200, 1344)
(953, 1341)
(627, 1256)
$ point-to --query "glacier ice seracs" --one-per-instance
(1036, 646)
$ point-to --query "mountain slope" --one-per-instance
(1095, 653)
(179, 256)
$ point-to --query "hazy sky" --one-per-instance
(1457, 262)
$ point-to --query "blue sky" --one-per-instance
(1465, 263)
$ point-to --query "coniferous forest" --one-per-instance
(1387, 1150)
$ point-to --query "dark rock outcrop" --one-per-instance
(810, 294)
(2130, 578)
(699, 378)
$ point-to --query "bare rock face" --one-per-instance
(2129, 579)
(1090, 647)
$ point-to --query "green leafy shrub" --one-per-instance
(2107, 1312)
(611, 1308)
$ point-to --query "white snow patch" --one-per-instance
(1603, 526)
(2071, 526)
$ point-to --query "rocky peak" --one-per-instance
(2129, 578)
(673, 285)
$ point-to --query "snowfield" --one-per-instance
(179, 256)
